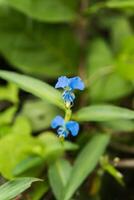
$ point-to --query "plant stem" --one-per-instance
(68, 114)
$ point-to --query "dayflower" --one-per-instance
(69, 85)
(64, 128)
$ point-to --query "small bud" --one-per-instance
(116, 160)
(61, 138)
(67, 104)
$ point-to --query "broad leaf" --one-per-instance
(6, 116)
(119, 125)
(125, 60)
(85, 163)
(103, 113)
(48, 11)
(9, 93)
(32, 48)
(37, 113)
(50, 148)
(59, 174)
(15, 187)
(34, 86)
(53, 147)
(104, 82)
(16, 146)
(26, 164)
(120, 31)
(39, 190)
(21, 123)
(120, 5)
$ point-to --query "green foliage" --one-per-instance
(38, 190)
(121, 31)
(65, 179)
(6, 116)
(9, 93)
(18, 138)
(53, 147)
(32, 47)
(103, 113)
(125, 62)
(27, 164)
(34, 86)
(102, 74)
(109, 168)
(117, 4)
(20, 144)
(13, 188)
(41, 40)
(59, 174)
(48, 11)
(119, 125)
(37, 113)
(85, 163)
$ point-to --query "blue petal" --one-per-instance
(68, 96)
(76, 83)
(62, 132)
(57, 121)
(73, 127)
(63, 82)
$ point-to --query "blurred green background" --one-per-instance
(45, 39)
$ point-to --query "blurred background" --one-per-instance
(45, 39)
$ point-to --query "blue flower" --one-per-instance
(69, 84)
(64, 128)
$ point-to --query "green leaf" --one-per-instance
(115, 173)
(6, 116)
(37, 113)
(13, 188)
(119, 125)
(85, 163)
(32, 48)
(59, 174)
(48, 11)
(125, 60)
(120, 31)
(50, 148)
(34, 86)
(20, 123)
(99, 48)
(26, 164)
(9, 92)
(108, 167)
(121, 5)
(103, 75)
(39, 190)
(103, 113)
(16, 146)
(53, 148)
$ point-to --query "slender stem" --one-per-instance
(68, 114)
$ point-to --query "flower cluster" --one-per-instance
(65, 126)
(69, 85)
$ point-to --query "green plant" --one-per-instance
(91, 41)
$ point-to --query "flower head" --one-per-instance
(69, 85)
(64, 128)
